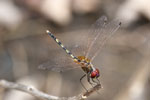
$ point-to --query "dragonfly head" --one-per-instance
(95, 73)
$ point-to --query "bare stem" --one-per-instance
(33, 91)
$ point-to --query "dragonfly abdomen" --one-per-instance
(64, 48)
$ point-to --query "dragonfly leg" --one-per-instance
(97, 82)
(82, 83)
(88, 79)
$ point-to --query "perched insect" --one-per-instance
(99, 33)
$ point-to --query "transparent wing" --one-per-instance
(58, 67)
(98, 37)
(86, 37)
(55, 58)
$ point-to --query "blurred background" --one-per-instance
(123, 62)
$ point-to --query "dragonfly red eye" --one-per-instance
(95, 73)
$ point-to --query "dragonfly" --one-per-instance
(98, 35)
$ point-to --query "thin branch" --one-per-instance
(33, 91)
(28, 89)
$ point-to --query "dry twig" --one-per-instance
(33, 91)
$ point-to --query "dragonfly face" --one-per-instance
(95, 73)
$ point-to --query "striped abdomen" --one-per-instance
(61, 45)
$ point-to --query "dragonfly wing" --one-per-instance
(79, 48)
(56, 67)
(59, 64)
(101, 34)
(55, 58)
(86, 37)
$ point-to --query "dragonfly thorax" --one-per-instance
(87, 67)
(82, 60)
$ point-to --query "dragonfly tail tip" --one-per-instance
(47, 31)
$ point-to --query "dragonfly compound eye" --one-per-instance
(95, 73)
